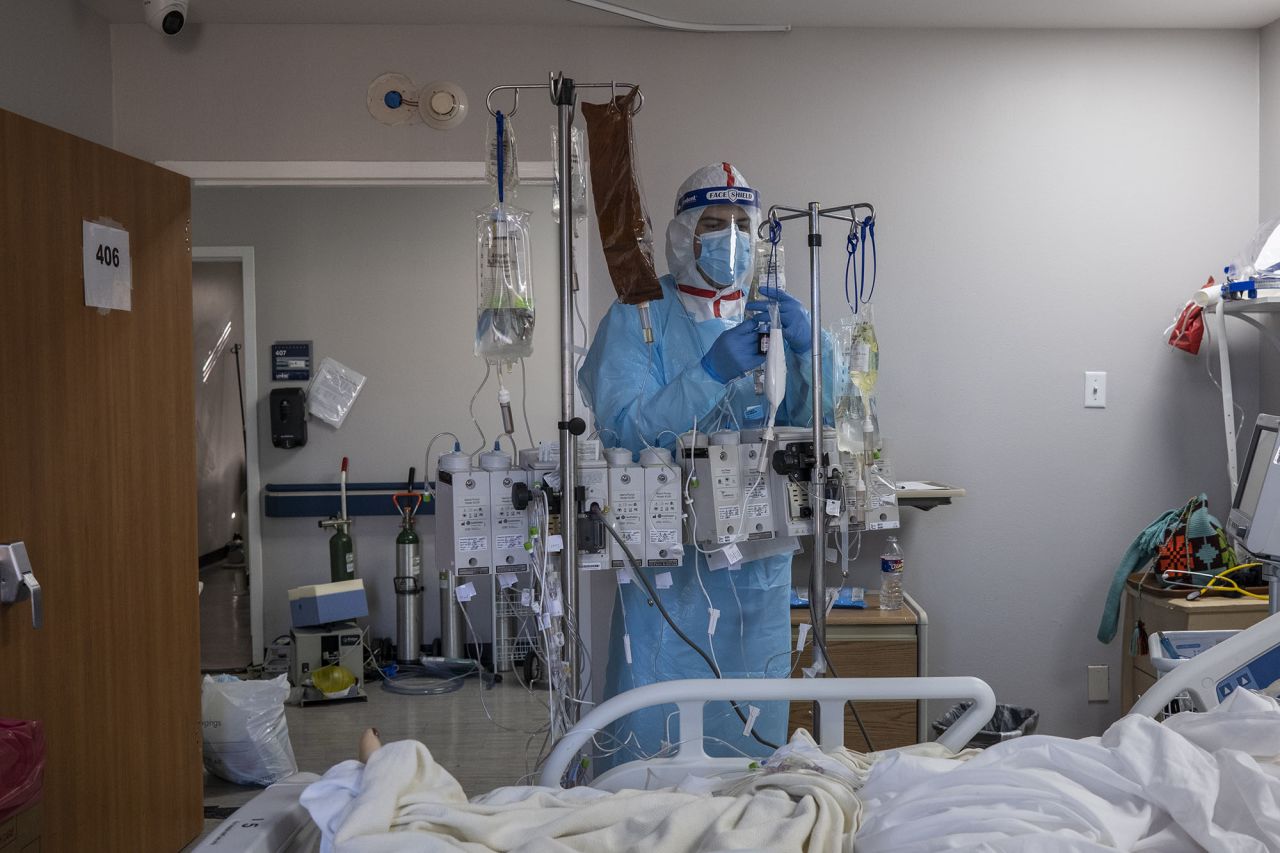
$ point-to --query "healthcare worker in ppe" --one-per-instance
(696, 374)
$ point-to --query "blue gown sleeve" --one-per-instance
(797, 405)
(623, 383)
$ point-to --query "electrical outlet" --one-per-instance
(1095, 389)
(1100, 683)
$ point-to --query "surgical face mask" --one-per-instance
(725, 258)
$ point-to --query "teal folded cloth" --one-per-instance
(1199, 523)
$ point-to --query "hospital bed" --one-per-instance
(275, 822)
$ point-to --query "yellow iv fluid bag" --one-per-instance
(504, 289)
(864, 357)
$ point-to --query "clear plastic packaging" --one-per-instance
(510, 170)
(504, 289)
(577, 180)
(333, 392)
(246, 735)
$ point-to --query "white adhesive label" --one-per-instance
(664, 581)
(555, 543)
(728, 513)
(662, 536)
(632, 537)
(757, 510)
(625, 576)
(472, 544)
(466, 592)
(713, 619)
(507, 580)
(753, 713)
(526, 597)
(732, 553)
(802, 636)
(833, 506)
(626, 646)
(508, 541)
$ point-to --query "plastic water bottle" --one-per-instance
(891, 566)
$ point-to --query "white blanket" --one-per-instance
(402, 800)
(1198, 781)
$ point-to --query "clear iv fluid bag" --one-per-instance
(577, 178)
(864, 357)
(504, 289)
(768, 269)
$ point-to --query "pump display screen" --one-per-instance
(1260, 455)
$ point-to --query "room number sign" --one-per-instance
(108, 270)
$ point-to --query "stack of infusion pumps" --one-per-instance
(724, 488)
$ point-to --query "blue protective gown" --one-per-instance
(640, 392)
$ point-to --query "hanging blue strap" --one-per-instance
(502, 145)
(868, 230)
(851, 249)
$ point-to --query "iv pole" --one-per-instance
(814, 213)
(563, 91)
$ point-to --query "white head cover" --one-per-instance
(719, 183)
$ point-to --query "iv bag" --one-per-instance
(768, 269)
(504, 289)
(577, 182)
(1260, 259)
(510, 172)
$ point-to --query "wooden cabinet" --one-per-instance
(1174, 614)
(871, 643)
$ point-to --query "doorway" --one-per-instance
(222, 345)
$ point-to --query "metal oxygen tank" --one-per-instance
(451, 464)
(408, 579)
(342, 553)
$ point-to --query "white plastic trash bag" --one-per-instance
(246, 736)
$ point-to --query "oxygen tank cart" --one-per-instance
(408, 579)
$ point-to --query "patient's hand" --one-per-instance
(370, 742)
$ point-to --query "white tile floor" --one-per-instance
(456, 727)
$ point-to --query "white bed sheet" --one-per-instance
(1196, 782)
(1199, 781)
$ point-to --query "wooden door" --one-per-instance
(97, 476)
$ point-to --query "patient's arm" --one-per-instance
(370, 742)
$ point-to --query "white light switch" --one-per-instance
(1095, 389)
(1099, 684)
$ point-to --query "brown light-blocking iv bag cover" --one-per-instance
(625, 230)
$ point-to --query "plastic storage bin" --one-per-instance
(1009, 721)
(1170, 648)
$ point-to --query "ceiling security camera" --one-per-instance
(166, 16)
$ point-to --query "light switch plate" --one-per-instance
(1095, 389)
(1100, 683)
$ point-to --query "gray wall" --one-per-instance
(1269, 125)
(1047, 200)
(382, 280)
(55, 66)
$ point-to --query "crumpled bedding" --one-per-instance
(1198, 781)
(1206, 781)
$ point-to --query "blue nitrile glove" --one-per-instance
(796, 329)
(736, 351)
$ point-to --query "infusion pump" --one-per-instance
(717, 489)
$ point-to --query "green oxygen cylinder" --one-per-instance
(342, 554)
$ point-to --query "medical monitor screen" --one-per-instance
(1260, 455)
